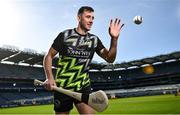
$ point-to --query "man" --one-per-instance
(76, 48)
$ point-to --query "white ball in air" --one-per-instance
(137, 20)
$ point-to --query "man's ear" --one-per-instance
(78, 17)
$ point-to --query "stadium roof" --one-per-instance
(31, 57)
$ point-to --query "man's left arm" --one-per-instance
(114, 31)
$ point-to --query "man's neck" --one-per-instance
(81, 31)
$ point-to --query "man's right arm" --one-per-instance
(48, 69)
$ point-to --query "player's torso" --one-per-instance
(75, 58)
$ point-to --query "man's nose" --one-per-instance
(91, 20)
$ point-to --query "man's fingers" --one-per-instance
(122, 26)
(116, 23)
(116, 20)
(111, 21)
(48, 86)
(119, 21)
(119, 24)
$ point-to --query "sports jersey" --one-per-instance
(75, 54)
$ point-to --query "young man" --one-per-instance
(76, 48)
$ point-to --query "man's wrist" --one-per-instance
(114, 39)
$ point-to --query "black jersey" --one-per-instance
(75, 54)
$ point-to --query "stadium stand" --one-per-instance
(19, 68)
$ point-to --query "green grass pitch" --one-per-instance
(164, 104)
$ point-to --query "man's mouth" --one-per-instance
(89, 25)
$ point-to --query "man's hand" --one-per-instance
(115, 28)
(49, 83)
(114, 31)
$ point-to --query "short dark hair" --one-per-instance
(85, 8)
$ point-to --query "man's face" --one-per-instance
(86, 20)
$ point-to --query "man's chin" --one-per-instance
(88, 29)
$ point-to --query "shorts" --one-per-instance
(63, 103)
